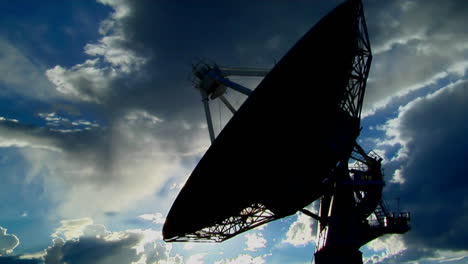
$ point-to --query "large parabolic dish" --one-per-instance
(275, 155)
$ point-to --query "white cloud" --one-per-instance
(196, 258)
(112, 55)
(398, 177)
(300, 232)
(386, 247)
(87, 81)
(8, 242)
(243, 259)
(255, 241)
(112, 48)
(59, 123)
(412, 49)
(159, 252)
(156, 218)
(73, 228)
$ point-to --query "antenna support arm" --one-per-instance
(244, 72)
(230, 84)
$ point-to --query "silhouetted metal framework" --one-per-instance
(256, 170)
(255, 161)
(356, 87)
(250, 217)
(354, 213)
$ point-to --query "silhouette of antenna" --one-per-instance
(292, 142)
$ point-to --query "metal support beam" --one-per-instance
(244, 72)
(228, 105)
(208, 115)
(314, 216)
(230, 84)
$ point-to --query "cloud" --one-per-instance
(8, 242)
(134, 158)
(242, 259)
(418, 255)
(21, 76)
(18, 260)
(73, 228)
(385, 248)
(411, 48)
(301, 231)
(86, 81)
(255, 241)
(196, 258)
(156, 218)
(135, 151)
(135, 77)
(97, 250)
(430, 133)
(81, 241)
(159, 252)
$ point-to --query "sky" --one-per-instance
(100, 126)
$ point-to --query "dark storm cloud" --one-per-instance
(169, 35)
(137, 73)
(99, 246)
(432, 131)
(94, 250)
(18, 260)
(151, 45)
(143, 59)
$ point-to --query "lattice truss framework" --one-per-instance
(356, 87)
(250, 217)
(364, 163)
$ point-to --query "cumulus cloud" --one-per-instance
(113, 59)
(411, 48)
(8, 242)
(88, 249)
(196, 258)
(242, 259)
(156, 218)
(430, 133)
(82, 241)
(86, 81)
(385, 248)
(255, 241)
(159, 252)
(135, 77)
(72, 228)
(301, 231)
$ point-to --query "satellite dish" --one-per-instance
(276, 153)
(289, 144)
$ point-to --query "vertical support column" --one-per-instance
(206, 104)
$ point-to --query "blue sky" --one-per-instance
(99, 125)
